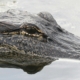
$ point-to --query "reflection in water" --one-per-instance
(32, 69)
(32, 64)
(62, 69)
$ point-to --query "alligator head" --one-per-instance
(29, 40)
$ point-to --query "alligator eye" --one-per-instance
(34, 31)
(28, 30)
(31, 30)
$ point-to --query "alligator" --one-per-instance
(31, 41)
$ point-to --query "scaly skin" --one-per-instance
(29, 40)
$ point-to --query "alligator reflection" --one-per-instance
(32, 69)
(31, 66)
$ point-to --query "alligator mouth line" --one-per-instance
(29, 30)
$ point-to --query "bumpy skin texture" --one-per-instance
(18, 50)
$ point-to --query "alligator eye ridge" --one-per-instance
(34, 31)
(28, 30)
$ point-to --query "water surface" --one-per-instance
(58, 70)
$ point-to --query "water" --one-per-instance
(66, 13)
(6, 4)
(59, 70)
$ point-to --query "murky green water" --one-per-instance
(66, 12)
